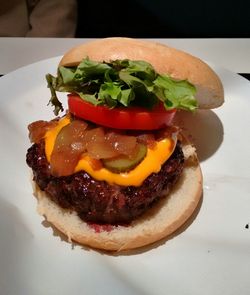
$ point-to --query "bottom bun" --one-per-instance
(157, 223)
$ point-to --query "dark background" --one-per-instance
(163, 19)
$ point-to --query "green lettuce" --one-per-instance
(121, 83)
(176, 94)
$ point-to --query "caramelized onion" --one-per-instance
(95, 164)
(69, 146)
(38, 129)
(79, 138)
(147, 139)
(170, 131)
(123, 144)
(72, 135)
(63, 163)
(97, 146)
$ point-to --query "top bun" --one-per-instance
(165, 60)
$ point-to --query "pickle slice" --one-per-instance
(123, 163)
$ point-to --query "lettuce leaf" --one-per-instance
(121, 83)
(54, 101)
(176, 94)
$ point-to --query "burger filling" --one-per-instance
(115, 153)
(62, 147)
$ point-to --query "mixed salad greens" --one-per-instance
(119, 83)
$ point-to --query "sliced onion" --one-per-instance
(79, 138)
(97, 146)
(63, 163)
(72, 135)
(170, 131)
(123, 144)
(38, 129)
(147, 139)
(95, 164)
(69, 145)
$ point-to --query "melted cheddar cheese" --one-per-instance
(150, 164)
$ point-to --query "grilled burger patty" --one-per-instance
(100, 202)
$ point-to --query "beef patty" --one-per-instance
(100, 202)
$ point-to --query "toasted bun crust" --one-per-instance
(166, 60)
(159, 222)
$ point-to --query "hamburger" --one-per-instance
(114, 172)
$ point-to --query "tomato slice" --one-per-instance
(133, 118)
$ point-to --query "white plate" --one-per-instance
(211, 256)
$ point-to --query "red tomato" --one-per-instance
(121, 118)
